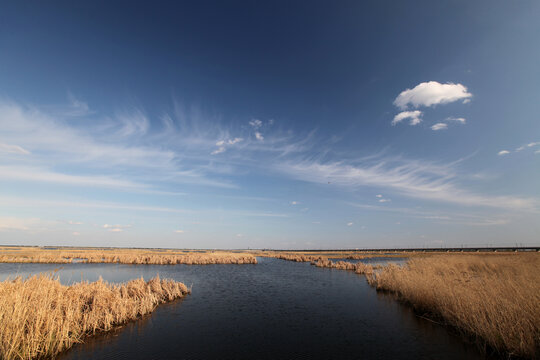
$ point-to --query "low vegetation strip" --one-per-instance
(124, 256)
(40, 317)
(359, 268)
(493, 298)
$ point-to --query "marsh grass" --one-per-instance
(40, 317)
(123, 256)
(359, 268)
(494, 299)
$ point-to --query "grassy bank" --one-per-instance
(40, 317)
(493, 298)
(359, 268)
(123, 256)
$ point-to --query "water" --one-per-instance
(273, 310)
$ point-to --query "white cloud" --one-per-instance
(259, 136)
(413, 115)
(533, 144)
(179, 231)
(431, 93)
(11, 223)
(294, 203)
(255, 123)
(350, 224)
(115, 228)
(379, 196)
(503, 152)
(439, 126)
(384, 200)
(31, 174)
(13, 149)
(71, 222)
(412, 178)
(235, 141)
(457, 119)
(219, 150)
(223, 143)
(133, 123)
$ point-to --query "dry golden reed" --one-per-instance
(40, 317)
(123, 256)
(359, 268)
(493, 298)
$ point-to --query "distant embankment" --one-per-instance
(441, 249)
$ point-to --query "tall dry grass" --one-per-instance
(359, 268)
(493, 298)
(40, 317)
(123, 256)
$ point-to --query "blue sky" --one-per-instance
(279, 125)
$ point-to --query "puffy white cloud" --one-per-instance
(294, 203)
(431, 93)
(259, 136)
(350, 224)
(378, 196)
(439, 126)
(503, 152)
(413, 115)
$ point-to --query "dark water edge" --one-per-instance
(273, 310)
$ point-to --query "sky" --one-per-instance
(282, 124)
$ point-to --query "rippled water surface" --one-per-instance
(273, 310)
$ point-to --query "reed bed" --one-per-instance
(298, 257)
(494, 299)
(124, 256)
(359, 268)
(40, 317)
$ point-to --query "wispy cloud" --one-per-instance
(412, 178)
(439, 126)
(503, 152)
(456, 119)
(32, 174)
(116, 228)
(13, 149)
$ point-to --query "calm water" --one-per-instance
(274, 310)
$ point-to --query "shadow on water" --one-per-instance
(274, 310)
